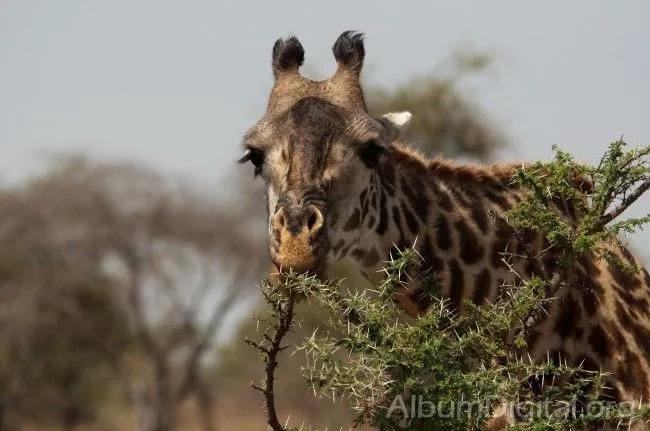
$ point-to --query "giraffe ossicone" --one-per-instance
(342, 183)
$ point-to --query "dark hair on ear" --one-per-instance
(287, 55)
(389, 132)
(349, 51)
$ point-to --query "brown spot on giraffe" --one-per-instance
(411, 222)
(480, 216)
(590, 299)
(329, 164)
(383, 215)
(430, 258)
(442, 234)
(570, 316)
(457, 285)
(443, 200)
(599, 342)
(416, 194)
(354, 220)
(471, 250)
(482, 283)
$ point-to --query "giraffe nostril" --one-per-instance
(315, 219)
(311, 221)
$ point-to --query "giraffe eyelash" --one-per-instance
(256, 157)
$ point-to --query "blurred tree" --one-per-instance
(445, 120)
(170, 245)
(61, 329)
(175, 261)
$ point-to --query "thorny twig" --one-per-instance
(627, 201)
(270, 347)
(615, 189)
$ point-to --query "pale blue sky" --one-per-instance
(175, 84)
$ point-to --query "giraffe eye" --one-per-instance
(371, 152)
(256, 157)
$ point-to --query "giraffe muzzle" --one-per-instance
(298, 239)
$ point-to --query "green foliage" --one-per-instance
(619, 176)
(461, 366)
(449, 370)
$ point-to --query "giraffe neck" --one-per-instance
(599, 319)
(444, 211)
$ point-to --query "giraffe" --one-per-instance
(342, 183)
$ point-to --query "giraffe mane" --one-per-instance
(499, 173)
(447, 169)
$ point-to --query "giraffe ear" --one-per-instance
(393, 125)
(401, 120)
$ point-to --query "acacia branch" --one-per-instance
(626, 202)
(285, 315)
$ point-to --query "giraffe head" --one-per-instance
(316, 147)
